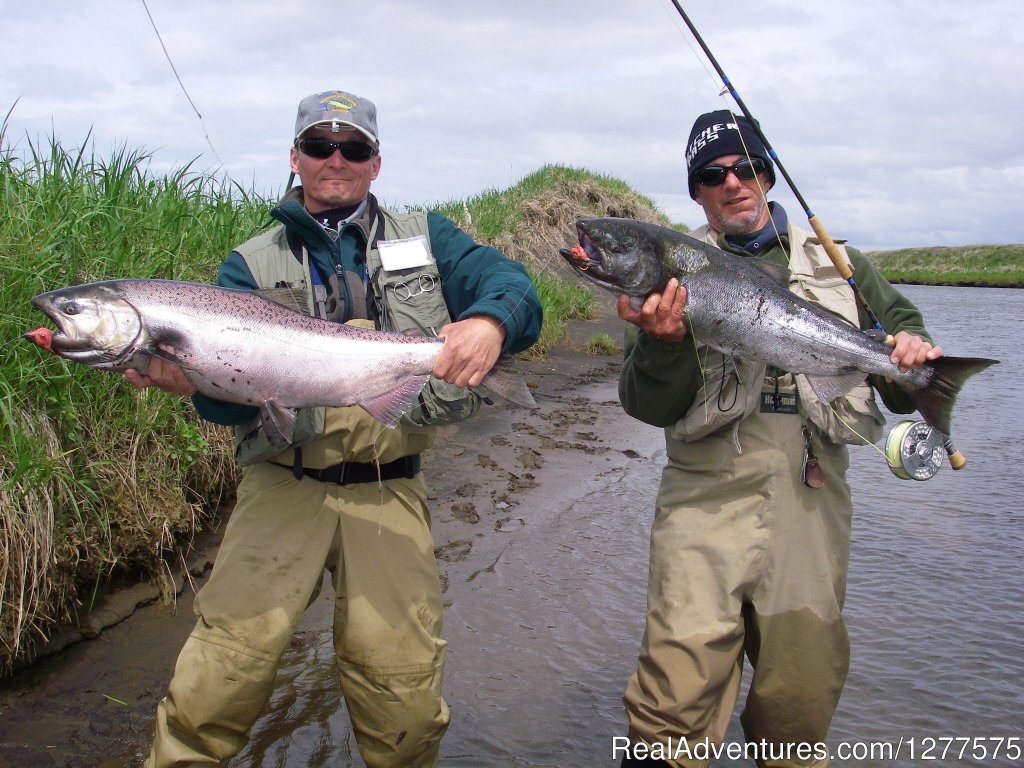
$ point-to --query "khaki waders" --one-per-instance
(745, 558)
(375, 540)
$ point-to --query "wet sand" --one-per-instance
(92, 703)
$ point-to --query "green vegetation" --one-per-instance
(603, 344)
(97, 479)
(999, 266)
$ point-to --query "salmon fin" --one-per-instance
(508, 384)
(828, 388)
(290, 298)
(389, 408)
(748, 372)
(278, 423)
(935, 402)
(163, 354)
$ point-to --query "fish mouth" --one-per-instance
(65, 338)
(583, 255)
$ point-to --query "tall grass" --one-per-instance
(95, 476)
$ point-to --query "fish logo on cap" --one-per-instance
(336, 102)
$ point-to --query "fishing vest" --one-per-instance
(405, 301)
(723, 399)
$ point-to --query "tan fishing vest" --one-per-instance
(723, 399)
(407, 300)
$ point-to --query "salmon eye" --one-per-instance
(72, 308)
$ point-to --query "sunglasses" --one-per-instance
(745, 170)
(353, 151)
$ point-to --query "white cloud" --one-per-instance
(898, 121)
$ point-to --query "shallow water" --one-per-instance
(543, 631)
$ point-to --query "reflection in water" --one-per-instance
(541, 642)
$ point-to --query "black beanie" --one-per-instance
(716, 134)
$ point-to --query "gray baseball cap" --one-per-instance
(334, 109)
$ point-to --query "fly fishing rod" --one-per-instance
(956, 459)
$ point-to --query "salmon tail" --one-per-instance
(935, 402)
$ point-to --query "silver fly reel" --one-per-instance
(914, 450)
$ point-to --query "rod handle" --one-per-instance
(956, 459)
(845, 270)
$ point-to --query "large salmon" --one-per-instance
(242, 347)
(744, 308)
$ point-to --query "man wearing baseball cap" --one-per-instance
(346, 495)
(751, 535)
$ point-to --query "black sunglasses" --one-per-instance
(353, 151)
(745, 170)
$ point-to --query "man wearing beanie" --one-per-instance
(347, 495)
(751, 535)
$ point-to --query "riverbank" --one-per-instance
(991, 266)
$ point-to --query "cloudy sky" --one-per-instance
(899, 120)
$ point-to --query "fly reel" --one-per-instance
(914, 450)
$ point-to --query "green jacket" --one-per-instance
(660, 380)
(475, 280)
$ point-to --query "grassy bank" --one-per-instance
(99, 480)
(999, 266)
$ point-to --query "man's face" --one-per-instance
(734, 207)
(333, 182)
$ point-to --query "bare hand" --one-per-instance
(913, 351)
(471, 348)
(163, 375)
(661, 316)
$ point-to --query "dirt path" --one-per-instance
(92, 704)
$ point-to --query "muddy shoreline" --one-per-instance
(91, 702)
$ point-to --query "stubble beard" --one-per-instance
(739, 223)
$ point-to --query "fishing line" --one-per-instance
(178, 78)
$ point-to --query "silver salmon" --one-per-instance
(743, 307)
(242, 347)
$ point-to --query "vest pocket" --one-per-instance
(408, 300)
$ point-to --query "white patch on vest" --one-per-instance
(405, 254)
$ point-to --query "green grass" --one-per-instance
(95, 476)
(603, 344)
(979, 265)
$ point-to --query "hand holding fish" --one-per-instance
(163, 375)
(471, 348)
(661, 314)
(913, 351)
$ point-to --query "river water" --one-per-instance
(542, 641)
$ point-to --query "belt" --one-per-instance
(351, 472)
